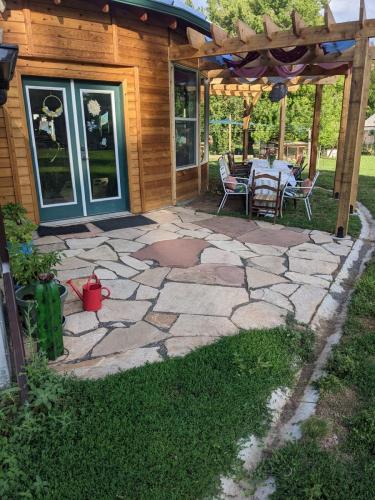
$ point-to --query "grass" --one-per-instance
(336, 457)
(323, 205)
(163, 431)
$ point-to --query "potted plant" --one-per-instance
(28, 269)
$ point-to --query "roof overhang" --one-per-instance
(174, 8)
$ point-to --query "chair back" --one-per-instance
(263, 183)
(230, 157)
(224, 171)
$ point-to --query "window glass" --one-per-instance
(185, 143)
(185, 89)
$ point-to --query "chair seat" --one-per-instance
(291, 194)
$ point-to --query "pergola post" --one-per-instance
(315, 130)
(342, 134)
(283, 104)
(245, 127)
(354, 133)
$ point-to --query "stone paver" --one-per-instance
(104, 252)
(189, 325)
(125, 245)
(307, 279)
(119, 310)
(81, 322)
(161, 320)
(186, 280)
(178, 253)
(100, 367)
(120, 269)
(274, 265)
(259, 279)
(78, 347)
(120, 288)
(105, 274)
(306, 299)
(146, 293)
(217, 256)
(157, 235)
(305, 266)
(153, 277)
(180, 346)
(209, 274)
(272, 297)
(124, 339)
(47, 240)
(85, 243)
(200, 299)
(130, 233)
(259, 315)
(230, 226)
(133, 262)
(281, 238)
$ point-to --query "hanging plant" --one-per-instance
(93, 107)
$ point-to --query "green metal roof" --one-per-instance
(176, 8)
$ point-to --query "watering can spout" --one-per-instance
(70, 282)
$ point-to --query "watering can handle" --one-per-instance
(94, 278)
(108, 292)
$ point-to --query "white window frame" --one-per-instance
(196, 119)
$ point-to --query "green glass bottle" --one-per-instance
(48, 307)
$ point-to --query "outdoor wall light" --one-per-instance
(8, 59)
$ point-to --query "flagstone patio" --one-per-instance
(185, 281)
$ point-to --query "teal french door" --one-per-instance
(78, 146)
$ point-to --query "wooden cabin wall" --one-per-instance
(77, 40)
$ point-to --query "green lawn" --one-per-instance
(323, 205)
(336, 458)
(163, 431)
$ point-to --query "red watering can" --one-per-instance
(91, 295)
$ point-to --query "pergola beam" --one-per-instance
(329, 19)
(308, 36)
(270, 28)
(196, 39)
(244, 31)
(298, 23)
(219, 35)
(362, 13)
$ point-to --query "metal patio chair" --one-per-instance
(232, 185)
(301, 192)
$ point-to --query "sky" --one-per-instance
(343, 10)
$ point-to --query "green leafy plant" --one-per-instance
(14, 212)
(26, 267)
(19, 233)
(18, 227)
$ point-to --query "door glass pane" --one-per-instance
(100, 144)
(185, 90)
(185, 143)
(53, 160)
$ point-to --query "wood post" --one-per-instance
(342, 133)
(354, 133)
(283, 104)
(245, 127)
(315, 130)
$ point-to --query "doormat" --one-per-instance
(61, 230)
(123, 222)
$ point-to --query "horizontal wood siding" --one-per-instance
(77, 40)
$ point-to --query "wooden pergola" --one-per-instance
(355, 64)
